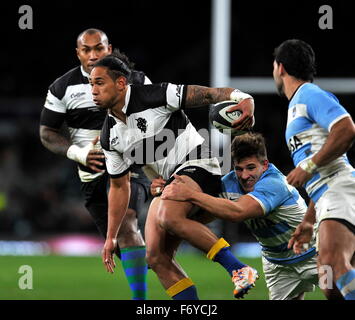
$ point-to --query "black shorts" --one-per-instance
(96, 202)
(209, 183)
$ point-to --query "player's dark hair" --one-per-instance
(248, 145)
(117, 65)
(298, 59)
(92, 31)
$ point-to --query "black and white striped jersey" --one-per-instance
(157, 132)
(69, 99)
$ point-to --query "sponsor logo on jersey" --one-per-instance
(77, 95)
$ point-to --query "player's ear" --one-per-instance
(109, 48)
(121, 82)
(282, 70)
(265, 164)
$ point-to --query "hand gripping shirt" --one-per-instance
(283, 208)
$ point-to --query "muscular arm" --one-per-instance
(53, 140)
(118, 199)
(339, 141)
(245, 208)
(199, 95)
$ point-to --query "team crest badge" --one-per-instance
(142, 124)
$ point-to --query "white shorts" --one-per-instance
(339, 200)
(286, 282)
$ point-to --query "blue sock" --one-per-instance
(189, 293)
(346, 285)
(136, 269)
(228, 260)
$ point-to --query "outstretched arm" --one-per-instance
(118, 199)
(199, 95)
(245, 208)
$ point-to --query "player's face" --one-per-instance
(277, 78)
(249, 171)
(91, 48)
(104, 90)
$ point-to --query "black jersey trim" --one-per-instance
(105, 132)
(85, 118)
(183, 99)
(71, 78)
(145, 97)
(119, 175)
(51, 118)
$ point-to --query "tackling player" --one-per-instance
(319, 133)
(259, 195)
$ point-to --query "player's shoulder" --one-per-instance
(72, 77)
(312, 93)
(230, 182)
(272, 178)
(109, 123)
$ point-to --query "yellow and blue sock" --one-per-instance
(183, 290)
(136, 269)
(346, 285)
(221, 253)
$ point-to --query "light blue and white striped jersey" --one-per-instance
(283, 208)
(311, 114)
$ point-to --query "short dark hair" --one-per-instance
(248, 145)
(298, 59)
(92, 31)
(117, 64)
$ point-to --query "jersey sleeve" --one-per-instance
(115, 164)
(270, 192)
(175, 96)
(54, 104)
(53, 113)
(325, 109)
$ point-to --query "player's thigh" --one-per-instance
(335, 238)
(158, 241)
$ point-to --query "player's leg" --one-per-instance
(175, 220)
(97, 205)
(336, 249)
(132, 245)
(161, 249)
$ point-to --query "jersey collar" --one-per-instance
(84, 73)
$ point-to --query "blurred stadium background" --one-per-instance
(41, 209)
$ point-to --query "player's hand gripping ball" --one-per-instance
(222, 120)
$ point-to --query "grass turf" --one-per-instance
(84, 278)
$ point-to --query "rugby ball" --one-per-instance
(222, 120)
